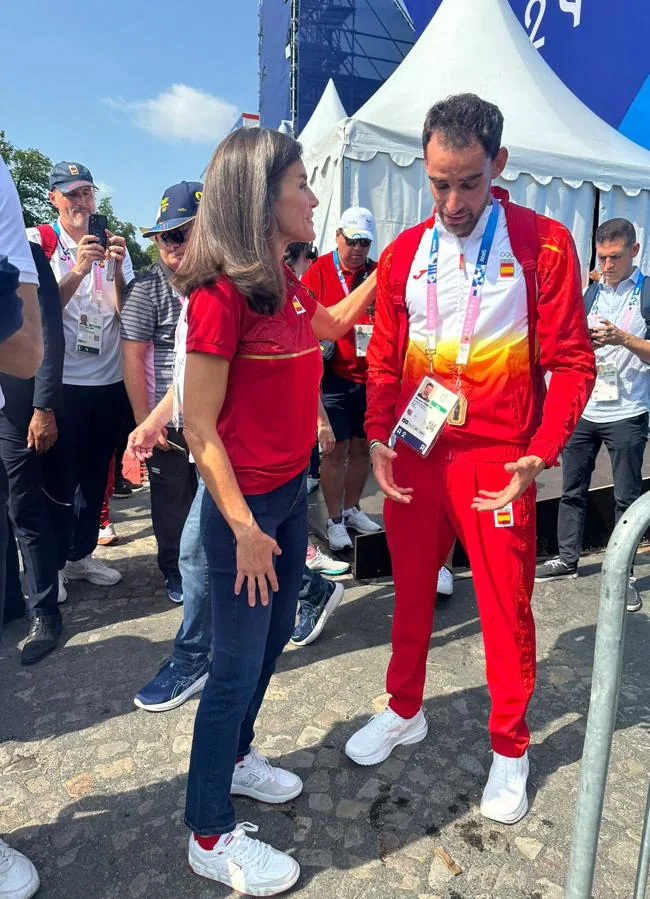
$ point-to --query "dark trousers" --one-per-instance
(172, 481)
(246, 642)
(4, 492)
(31, 519)
(77, 465)
(625, 441)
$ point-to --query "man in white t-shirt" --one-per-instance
(93, 384)
(20, 355)
(617, 413)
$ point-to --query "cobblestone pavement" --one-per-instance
(93, 789)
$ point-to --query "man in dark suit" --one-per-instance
(28, 429)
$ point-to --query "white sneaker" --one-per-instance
(504, 797)
(359, 521)
(445, 581)
(62, 597)
(319, 561)
(92, 570)
(337, 535)
(375, 742)
(18, 876)
(245, 864)
(312, 484)
(256, 778)
(108, 535)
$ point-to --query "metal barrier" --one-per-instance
(605, 689)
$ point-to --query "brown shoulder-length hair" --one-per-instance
(235, 228)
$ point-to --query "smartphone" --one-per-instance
(97, 225)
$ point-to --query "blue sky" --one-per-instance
(121, 87)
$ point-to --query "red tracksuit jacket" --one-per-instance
(509, 412)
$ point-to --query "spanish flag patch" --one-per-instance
(297, 305)
(504, 518)
(507, 268)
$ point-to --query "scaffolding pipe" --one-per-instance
(644, 856)
(605, 689)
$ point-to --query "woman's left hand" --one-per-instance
(255, 552)
(326, 438)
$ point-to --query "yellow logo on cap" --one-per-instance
(198, 194)
(164, 203)
(73, 169)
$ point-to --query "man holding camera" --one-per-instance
(92, 270)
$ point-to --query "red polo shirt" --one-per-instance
(268, 419)
(323, 280)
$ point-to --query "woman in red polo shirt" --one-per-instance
(250, 404)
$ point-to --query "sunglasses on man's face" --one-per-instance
(175, 238)
(358, 242)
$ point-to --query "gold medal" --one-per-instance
(458, 415)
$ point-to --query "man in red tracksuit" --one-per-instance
(482, 299)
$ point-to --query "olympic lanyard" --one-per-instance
(474, 301)
(339, 272)
(633, 303)
(66, 258)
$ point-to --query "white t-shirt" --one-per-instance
(503, 314)
(13, 240)
(80, 368)
(633, 373)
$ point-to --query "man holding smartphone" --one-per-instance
(151, 310)
(91, 273)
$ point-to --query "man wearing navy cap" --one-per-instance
(150, 313)
(93, 387)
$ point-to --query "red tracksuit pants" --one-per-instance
(502, 560)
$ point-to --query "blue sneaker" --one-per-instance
(174, 587)
(312, 618)
(171, 687)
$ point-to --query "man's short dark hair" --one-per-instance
(615, 229)
(462, 118)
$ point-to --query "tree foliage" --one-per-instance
(30, 170)
(139, 257)
(152, 252)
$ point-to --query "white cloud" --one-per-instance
(181, 113)
(104, 189)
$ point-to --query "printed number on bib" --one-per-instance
(426, 415)
(89, 333)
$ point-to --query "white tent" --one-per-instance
(563, 158)
(328, 113)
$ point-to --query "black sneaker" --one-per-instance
(43, 637)
(122, 488)
(312, 618)
(555, 570)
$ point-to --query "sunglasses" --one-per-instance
(358, 242)
(174, 238)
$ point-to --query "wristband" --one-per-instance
(373, 444)
(43, 409)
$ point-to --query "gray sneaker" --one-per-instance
(632, 600)
(554, 570)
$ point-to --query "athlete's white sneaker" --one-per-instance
(375, 742)
(62, 597)
(256, 778)
(337, 536)
(18, 876)
(357, 520)
(445, 581)
(504, 797)
(92, 570)
(317, 560)
(245, 864)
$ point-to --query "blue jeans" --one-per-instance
(192, 643)
(246, 644)
(313, 587)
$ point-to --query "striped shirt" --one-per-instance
(150, 312)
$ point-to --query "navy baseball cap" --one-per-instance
(179, 205)
(67, 176)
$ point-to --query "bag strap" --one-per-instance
(590, 296)
(49, 239)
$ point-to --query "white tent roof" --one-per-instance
(479, 46)
(327, 114)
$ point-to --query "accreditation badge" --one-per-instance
(362, 335)
(89, 333)
(606, 389)
(425, 416)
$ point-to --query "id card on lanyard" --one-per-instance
(456, 402)
(607, 388)
(89, 326)
(362, 333)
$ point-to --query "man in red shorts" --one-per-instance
(479, 301)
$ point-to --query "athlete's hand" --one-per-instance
(382, 458)
(524, 471)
